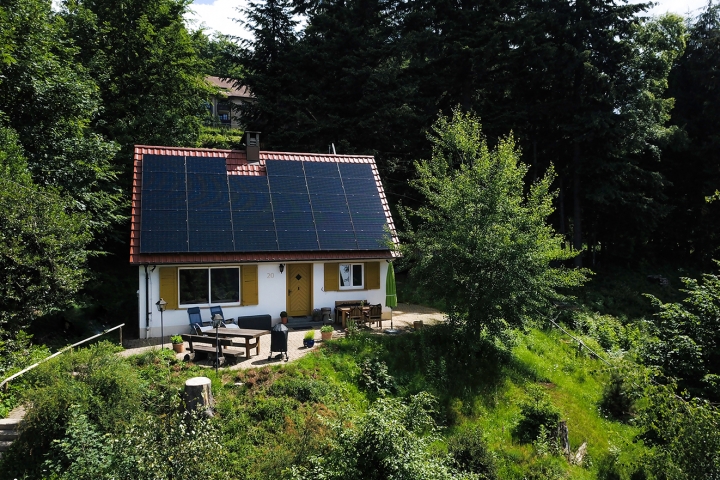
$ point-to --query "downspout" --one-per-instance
(147, 302)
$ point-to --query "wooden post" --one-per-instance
(121, 336)
(198, 395)
(563, 438)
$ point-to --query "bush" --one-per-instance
(618, 397)
(471, 454)
(534, 413)
(374, 377)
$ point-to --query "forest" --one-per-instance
(553, 167)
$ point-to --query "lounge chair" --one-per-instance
(196, 321)
(229, 323)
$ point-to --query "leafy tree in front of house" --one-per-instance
(481, 242)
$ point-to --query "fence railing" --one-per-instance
(5, 382)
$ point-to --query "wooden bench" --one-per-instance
(207, 344)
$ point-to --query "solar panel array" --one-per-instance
(191, 204)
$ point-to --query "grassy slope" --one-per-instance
(573, 381)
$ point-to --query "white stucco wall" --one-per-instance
(271, 298)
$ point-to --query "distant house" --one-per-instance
(221, 106)
(256, 232)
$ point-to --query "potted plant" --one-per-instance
(309, 339)
(316, 315)
(326, 332)
(177, 343)
(283, 316)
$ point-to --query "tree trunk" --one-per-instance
(198, 395)
(563, 438)
(577, 215)
(561, 209)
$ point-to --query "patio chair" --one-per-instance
(196, 321)
(374, 315)
(229, 323)
(356, 315)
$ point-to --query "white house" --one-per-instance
(255, 232)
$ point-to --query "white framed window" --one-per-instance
(351, 276)
(208, 285)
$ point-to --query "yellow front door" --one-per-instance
(299, 288)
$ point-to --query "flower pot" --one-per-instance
(308, 343)
(418, 324)
(179, 347)
(326, 336)
(283, 319)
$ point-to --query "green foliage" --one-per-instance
(327, 328)
(374, 377)
(684, 434)
(43, 246)
(619, 396)
(470, 453)
(480, 242)
(176, 339)
(537, 414)
(181, 445)
(309, 335)
(392, 440)
(687, 339)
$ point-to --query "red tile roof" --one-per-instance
(236, 164)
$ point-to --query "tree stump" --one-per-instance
(198, 395)
(563, 439)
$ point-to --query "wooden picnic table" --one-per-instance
(243, 337)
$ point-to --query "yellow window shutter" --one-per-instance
(332, 277)
(249, 284)
(169, 287)
(372, 276)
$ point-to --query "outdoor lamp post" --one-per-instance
(217, 320)
(161, 307)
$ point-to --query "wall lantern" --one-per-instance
(282, 267)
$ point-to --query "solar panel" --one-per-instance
(214, 165)
(160, 200)
(166, 241)
(249, 221)
(255, 201)
(284, 168)
(256, 241)
(293, 220)
(163, 220)
(360, 186)
(355, 170)
(163, 181)
(298, 206)
(370, 241)
(208, 200)
(163, 163)
(321, 169)
(325, 186)
(207, 183)
(288, 184)
(297, 239)
(211, 241)
(244, 184)
(290, 202)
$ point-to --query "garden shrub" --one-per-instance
(374, 377)
(392, 440)
(470, 453)
(534, 413)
